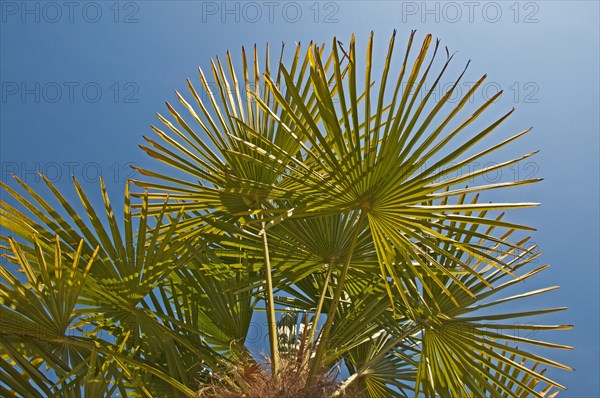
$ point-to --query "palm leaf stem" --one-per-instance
(270, 305)
(322, 343)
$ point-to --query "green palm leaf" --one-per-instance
(119, 297)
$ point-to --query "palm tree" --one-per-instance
(304, 191)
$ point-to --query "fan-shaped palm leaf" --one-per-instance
(133, 292)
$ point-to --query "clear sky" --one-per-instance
(81, 82)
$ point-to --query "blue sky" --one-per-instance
(82, 81)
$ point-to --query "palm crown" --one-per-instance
(318, 190)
